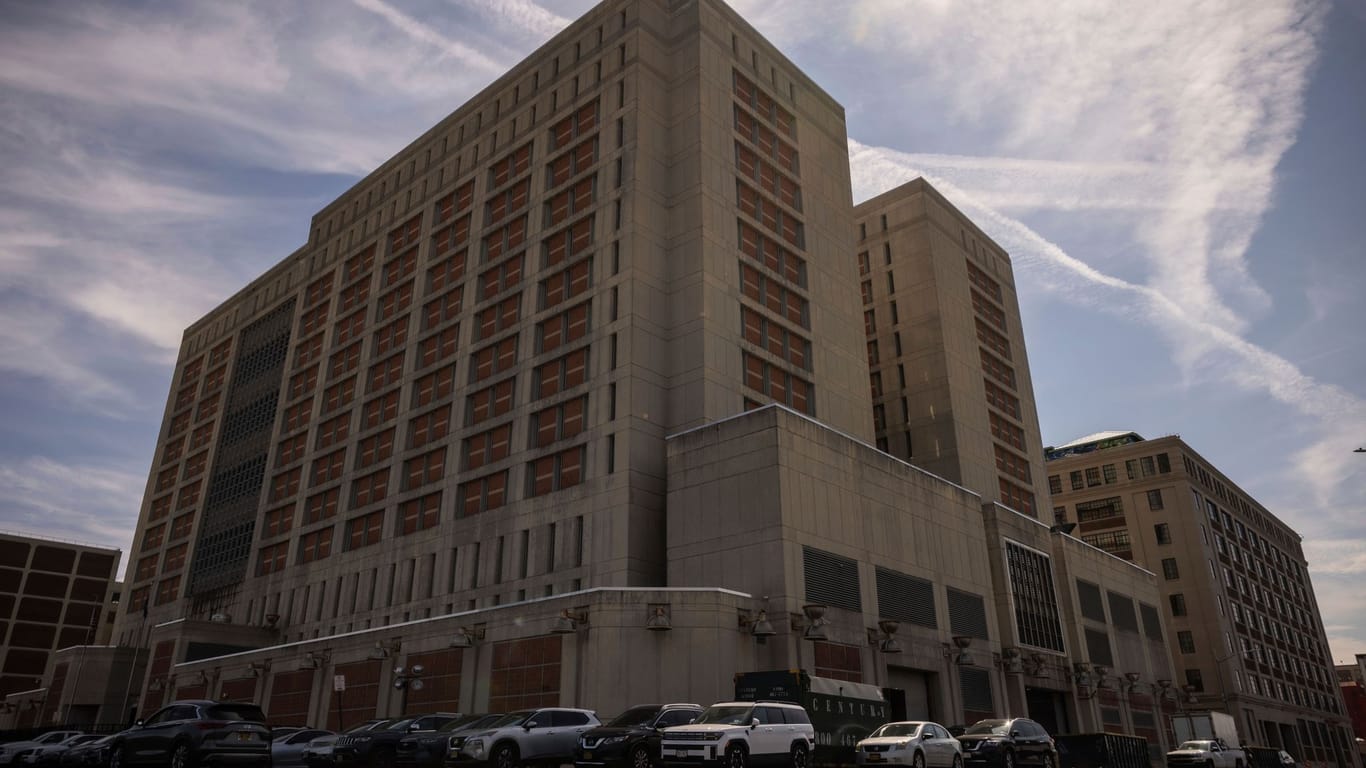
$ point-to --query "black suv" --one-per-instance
(429, 749)
(185, 733)
(1006, 743)
(632, 738)
(379, 746)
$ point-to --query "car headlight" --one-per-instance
(475, 747)
(361, 739)
(613, 740)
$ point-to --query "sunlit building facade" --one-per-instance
(1246, 634)
(568, 398)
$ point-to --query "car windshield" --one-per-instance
(992, 727)
(908, 730)
(1203, 746)
(513, 718)
(458, 723)
(87, 738)
(731, 715)
(636, 716)
(399, 725)
(367, 726)
(53, 738)
(236, 712)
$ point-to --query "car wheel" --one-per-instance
(799, 756)
(384, 759)
(1049, 761)
(640, 757)
(957, 761)
(736, 757)
(504, 756)
(1009, 759)
(116, 756)
(919, 760)
(180, 758)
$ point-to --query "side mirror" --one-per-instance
(1014, 734)
(754, 722)
(530, 724)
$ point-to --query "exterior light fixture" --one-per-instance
(815, 622)
(569, 621)
(659, 620)
(465, 637)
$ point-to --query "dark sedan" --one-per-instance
(1008, 743)
(631, 739)
(429, 749)
(186, 733)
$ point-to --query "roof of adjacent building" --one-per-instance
(1092, 442)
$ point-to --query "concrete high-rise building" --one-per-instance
(950, 379)
(566, 404)
(1246, 634)
(639, 229)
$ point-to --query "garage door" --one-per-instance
(917, 686)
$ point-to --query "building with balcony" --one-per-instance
(1244, 625)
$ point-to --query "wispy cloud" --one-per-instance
(426, 34)
(92, 503)
(524, 15)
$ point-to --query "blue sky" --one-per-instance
(1182, 188)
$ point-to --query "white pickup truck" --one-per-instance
(1205, 753)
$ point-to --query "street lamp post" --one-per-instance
(406, 680)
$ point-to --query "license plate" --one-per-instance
(680, 753)
(587, 755)
(874, 757)
(245, 736)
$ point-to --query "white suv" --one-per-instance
(735, 733)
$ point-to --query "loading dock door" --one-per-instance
(916, 686)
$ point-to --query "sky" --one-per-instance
(1181, 187)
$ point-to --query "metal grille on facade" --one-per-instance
(975, 687)
(1098, 648)
(905, 598)
(1122, 612)
(831, 580)
(223, 545)
(1036, 604)
(967, 614)
(1092, 607)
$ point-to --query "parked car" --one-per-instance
(1007, 743)
(287, 749)
(632, 738)
(736, 733)
(12, 750)
(377, 746)
(1205, 753)
(51, 754)
(186, 733)
(90, 754)
(318, 753)
(429, 749)
(913, 743)
(531, 736)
